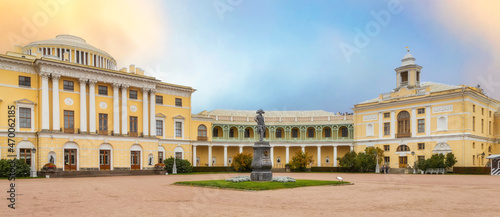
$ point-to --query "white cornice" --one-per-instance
(172, 90)
(16, 65)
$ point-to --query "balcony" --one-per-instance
(69, 130)
(134, 134)
(403, 135)
(202, 138)
(102, 132)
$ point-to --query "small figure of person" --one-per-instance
(383, 169)
(387, 169)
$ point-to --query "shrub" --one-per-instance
(471, 170)
(22, 169)
(450, 160)
(422, 165)
(160, 166)
(49, 166)
(242, 162)
(300, 161)
(436, 161)
(348, 161)
(183, 166)
(365, 162)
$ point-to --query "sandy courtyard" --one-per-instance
(372, 195)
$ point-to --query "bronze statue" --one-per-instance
(261, 126)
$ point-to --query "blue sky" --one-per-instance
(282, 54)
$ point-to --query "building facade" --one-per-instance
(418, 119)
(73, 108)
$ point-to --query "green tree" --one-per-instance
(372, 151)
(348, 161)
(450, 160)
(422, 165)
(365, 162)
(436, 161)
(301, 160)
(242, 162)
(183, 166)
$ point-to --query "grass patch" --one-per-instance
(259, 186)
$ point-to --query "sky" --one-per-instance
(276, 55)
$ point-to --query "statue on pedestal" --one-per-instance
(262, 162)
(261, 126)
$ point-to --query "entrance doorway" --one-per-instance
(135, 160)
(104, 162)
(403, 161)
(70, 160)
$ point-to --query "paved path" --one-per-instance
(372, 195)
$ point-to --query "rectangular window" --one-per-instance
(482, 125)
(328, 133)
(159, 100)
(387, 160)
(178, 102)
(102, 90)
(278, 133)
(24, 81)
(103, 124)
(490, 114)
(387, 129)
(421, 125)
(132, 94)
(421, 111)
(24, 117)
(295, 133)
(473, 145)
(387, 115)
(133, 126)
(160, 157)
(215, 132)
(482, 111)
(473, 108)
(178, 129)
(69, 121)
(310, 133)
(473, 159)
(25, 154)
(489, 128)
(159, 127)
(68, 85)
(231, 133)
(473, 123)
(421, 157)
(421, 146)
(387, 147)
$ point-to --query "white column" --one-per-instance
(319, 156)
(287, 154)
(380, 125)
(92, 115)
(33, 172)
(303, 148)
(210, 155)
(413, 122)
(393, 124)
(145, 112)
(334, 156)
(241, 149)
(124, 110)
(194, 156)
(352, 147)
(116, 109)
(225, 155)
(56, 124)
(152, 106)
(272, 156)
(83, 105)
(428, 120)
(45, 101)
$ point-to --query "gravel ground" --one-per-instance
(372, 195)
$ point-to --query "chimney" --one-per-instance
(132, 68)
(139, 71)
(124, 69)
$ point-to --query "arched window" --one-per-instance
(295, 132)
(403, 124)
(279, 133)
(217, 132)
(343, 132)
(310, 132)
(202, 133)
(402, 148)
(248, 132)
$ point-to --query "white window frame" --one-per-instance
(182, 127)
(25, 105)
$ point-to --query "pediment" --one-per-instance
(178, 117)
(25, 101)
(160, 115)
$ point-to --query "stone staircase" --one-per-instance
(397, 171)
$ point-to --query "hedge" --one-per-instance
(213, 169)
(329, 169)
(472, 170)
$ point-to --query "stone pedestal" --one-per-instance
(262, 162)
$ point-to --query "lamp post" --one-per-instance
(33, 169)
(377, 168)
(174, 168)
(414, 162)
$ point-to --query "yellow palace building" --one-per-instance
(418, 119)
(73, 108)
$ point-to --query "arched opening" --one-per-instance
(105, 157)
(202, 133)
(52, 157)
(442, 123)
(327, 132)
(369, 130)
(217, 132)
(295, 132)
(71, 156)
(161, 154)
(311, 133)
(24, 152)
(280, 133)
(343, 132)
(233, 132)
(179, 152)
(150, 159)
(403, 148)
(403, 124)
(135, 157)
(248, 132)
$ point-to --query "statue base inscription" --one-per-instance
(262, 163)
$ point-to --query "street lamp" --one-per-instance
(174, 168)
(414, 162)
(33, 169)
(377, 168)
